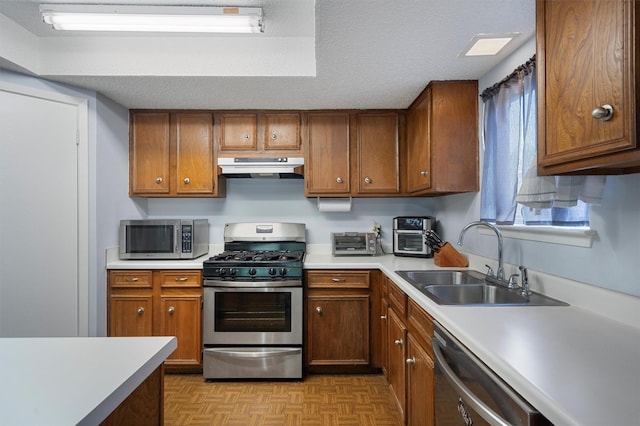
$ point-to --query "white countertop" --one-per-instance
(73, 380)
(577, 364)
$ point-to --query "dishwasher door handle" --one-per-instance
(469, 397)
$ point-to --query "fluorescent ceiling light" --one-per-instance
(187, 19)
(487, 44)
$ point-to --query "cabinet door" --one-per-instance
(338, 329)
(377, 150)
(420, 402)
(598, 37)
(327, 161)
(418, 161)
(238, 132)
(194, 153)
(396, 374)
(149, 153)
(282, 131)
(130, 314)
(384, 336)
(180, 316)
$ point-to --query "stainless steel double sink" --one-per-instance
(469, 287)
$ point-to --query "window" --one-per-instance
(511, 191)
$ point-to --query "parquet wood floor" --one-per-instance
(318, 400)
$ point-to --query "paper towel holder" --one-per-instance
(334, 205)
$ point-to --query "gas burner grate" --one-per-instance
(258, 256)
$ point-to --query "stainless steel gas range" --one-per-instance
(252, 314)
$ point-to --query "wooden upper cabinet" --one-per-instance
(149, 153)
(377, 153)
(172, 155)
(418, 173)
(282, 131)
(327, 159)
(238, 132)
(259, 133)
(194, 153)
(442, 139)
(598, 39)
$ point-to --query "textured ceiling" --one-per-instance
(368, 54)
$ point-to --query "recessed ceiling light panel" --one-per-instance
(487, 44)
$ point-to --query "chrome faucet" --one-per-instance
(525, 282)
(500, 273)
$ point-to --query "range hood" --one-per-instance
(251, 167)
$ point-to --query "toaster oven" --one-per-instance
(409, 235)
(353, 243)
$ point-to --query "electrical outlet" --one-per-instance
(377, 228)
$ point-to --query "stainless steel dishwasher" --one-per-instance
(468, 393)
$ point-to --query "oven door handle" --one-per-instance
(235, 285)
(469, 397)
(257, 354)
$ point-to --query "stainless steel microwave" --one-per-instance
(409, 235)
(164, 238)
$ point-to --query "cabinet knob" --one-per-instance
(246, 137)
(398, 342)
(318, 309)
(367, 180)
(140, 310)
(274, 136)
(424, 172)
(339, 180)
(186, 180)
(171, 310)
(158, 180)
(604, 113)
(411, 361)
(383, 317)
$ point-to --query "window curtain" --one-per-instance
(509, 173)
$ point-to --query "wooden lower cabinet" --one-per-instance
(159, 303)
(397, 353)
(338, 337)
(339, 329)
(420, 402)
(409, 362)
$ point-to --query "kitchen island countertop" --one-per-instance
(73, 380)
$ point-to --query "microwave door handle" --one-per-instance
(470, 398)
(178, 240)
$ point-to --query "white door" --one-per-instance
(40, 291)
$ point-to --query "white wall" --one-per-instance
(110, 167)
(612, 262)
(282, 200)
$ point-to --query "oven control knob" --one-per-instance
(283, 271)
(272, 271)
(222, 272)
(252, 271)
(232, 271)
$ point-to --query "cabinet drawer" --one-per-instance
(420, 323)
(180, 279)
(397, 299)
(130, 279)
(338, 279)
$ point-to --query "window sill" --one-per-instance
(546, 234)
